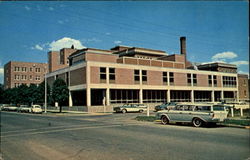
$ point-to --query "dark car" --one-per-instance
(165, 106)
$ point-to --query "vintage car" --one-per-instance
(131, 108)
(164, 106)
(24, 108)
(197, 114)
(36, 109)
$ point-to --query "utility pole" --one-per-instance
(45, 97)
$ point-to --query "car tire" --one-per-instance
(140, 111)
(197, 122)
(164, 120)
(124, 111)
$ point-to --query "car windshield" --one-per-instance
(218, 108)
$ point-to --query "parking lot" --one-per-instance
(114, 136)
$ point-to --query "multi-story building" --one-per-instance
(17, 73)
(59, 59)
(123, 74)
(243, 87)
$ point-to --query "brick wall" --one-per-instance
(79, 76)
(154, 78)
(202, 80)
(180, 79)
(101, 57)
(94, 75)
(144, 62)
(124, 76)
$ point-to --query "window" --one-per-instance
(194, 79)
(215, 81)
(61, 57)
(229, 81)
(103, 75)
(24, 69)
(189, 79)
(137, 76)
(165, 77)
(171, 78)
(38, 78)
(17, 77)
(144, 76)
(16, 69)
(111, 75)
(38, 70)
(30, 77)
(23, 77)
(31, 69)
(210, 80)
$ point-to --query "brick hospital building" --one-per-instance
(97, 77)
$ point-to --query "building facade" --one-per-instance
(17, 73)
(243, 87)
(123, 74)
(59, 59)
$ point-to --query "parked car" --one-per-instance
(164, 106)
(36, 109)
(197, 114)
(12, 108)
(4, 107)
(24, 108)
(131, 108)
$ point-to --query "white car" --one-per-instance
(197, 114)
(36, 109)
(24, 108)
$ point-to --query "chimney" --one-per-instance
(183, 45)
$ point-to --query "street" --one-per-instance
(115, 137)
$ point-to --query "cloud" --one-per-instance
(224, 55)
(51, 8)
(60, 22)
(107, 33)
(1, 70)
(37, 47)
(238, 63)
(117, 42)
(27, 8)
(65, 42)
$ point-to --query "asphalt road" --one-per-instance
(115, 137)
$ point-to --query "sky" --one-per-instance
(216, 31)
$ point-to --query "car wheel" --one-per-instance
(140, 111)
(164, 120)
(124, 111)
(197, 122)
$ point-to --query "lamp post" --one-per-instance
(45, 94)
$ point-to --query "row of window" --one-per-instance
(24, 69)
(229, 81)
(25, 77)
(191, 78)
(19, 84)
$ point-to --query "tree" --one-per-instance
(32, 94)
(60, 92)
(41, 93)
(1, 93)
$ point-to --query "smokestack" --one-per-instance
(183, 45)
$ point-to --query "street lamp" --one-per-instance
(45, 88)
